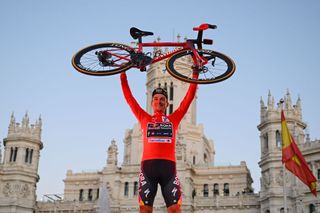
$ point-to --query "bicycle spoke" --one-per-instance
(218, 67)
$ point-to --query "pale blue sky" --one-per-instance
(275, 45)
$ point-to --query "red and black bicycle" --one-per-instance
(186, 57)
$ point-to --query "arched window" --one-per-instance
(81, 195)
(171, 92)
(226, 189)
(205, 158)
(90, 194)
(216, 189)
(278, 139)
(26, 156)
(312, 208)
(11, 154)
(98, 192)
(135, 188)
(170, 108)
(30, 156)
(282, 210)
(126, 189)
(205, 190)
(266, 141)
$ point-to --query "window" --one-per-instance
(126, 189)
(135, 188)
(312, 208)
(90, 194)
(81, 195)
(266, 145)
(98, 191)
(216, 189)
(171, 92)
(318, 174)
(194, 160)
(28, 156)
(278, 139)
(205, 190)
(170, 108)
(226, 189)
(15, 154)
(205, 158)
(11, 154)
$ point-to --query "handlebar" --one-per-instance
(205, 27)
(200, 30)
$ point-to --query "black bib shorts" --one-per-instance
(163, 172)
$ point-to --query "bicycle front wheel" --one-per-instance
(103, 59)
(219, 67)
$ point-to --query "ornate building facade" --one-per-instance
(205, 186)
(19, 166)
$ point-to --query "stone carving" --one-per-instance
(266, 179)
(16, 190)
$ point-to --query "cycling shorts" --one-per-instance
(163, 172)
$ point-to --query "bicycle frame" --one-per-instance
(188, 45)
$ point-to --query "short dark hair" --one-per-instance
(160, 90)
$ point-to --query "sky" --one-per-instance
(275, 45)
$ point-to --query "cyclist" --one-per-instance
(159, 131)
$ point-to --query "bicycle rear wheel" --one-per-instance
(103, 59)
(219, 67)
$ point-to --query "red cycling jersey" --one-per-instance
(158, 130)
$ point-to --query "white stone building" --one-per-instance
(205, 186)
(19, 166)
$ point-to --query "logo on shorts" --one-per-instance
(146, 192)
(174, 191)
(142, 179)
(176, 181)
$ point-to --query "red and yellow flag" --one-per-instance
(294, 160)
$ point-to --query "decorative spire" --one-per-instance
(12, 123)
(270, 101)
(262, 106)
(298, 105)
(25, 120)
(25, 130)
(39, 123)
(288, 102)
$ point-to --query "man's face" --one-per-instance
(159, 103)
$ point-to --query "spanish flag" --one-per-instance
(294, 160)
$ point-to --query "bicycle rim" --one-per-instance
(116, 59)
(219, 67)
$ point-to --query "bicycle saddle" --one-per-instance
(136, 33)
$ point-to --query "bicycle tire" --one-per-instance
(87, 62)
(180, 64)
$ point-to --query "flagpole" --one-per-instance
(284, 189)
(284, 172)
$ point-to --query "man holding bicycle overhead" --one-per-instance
(158, 164)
